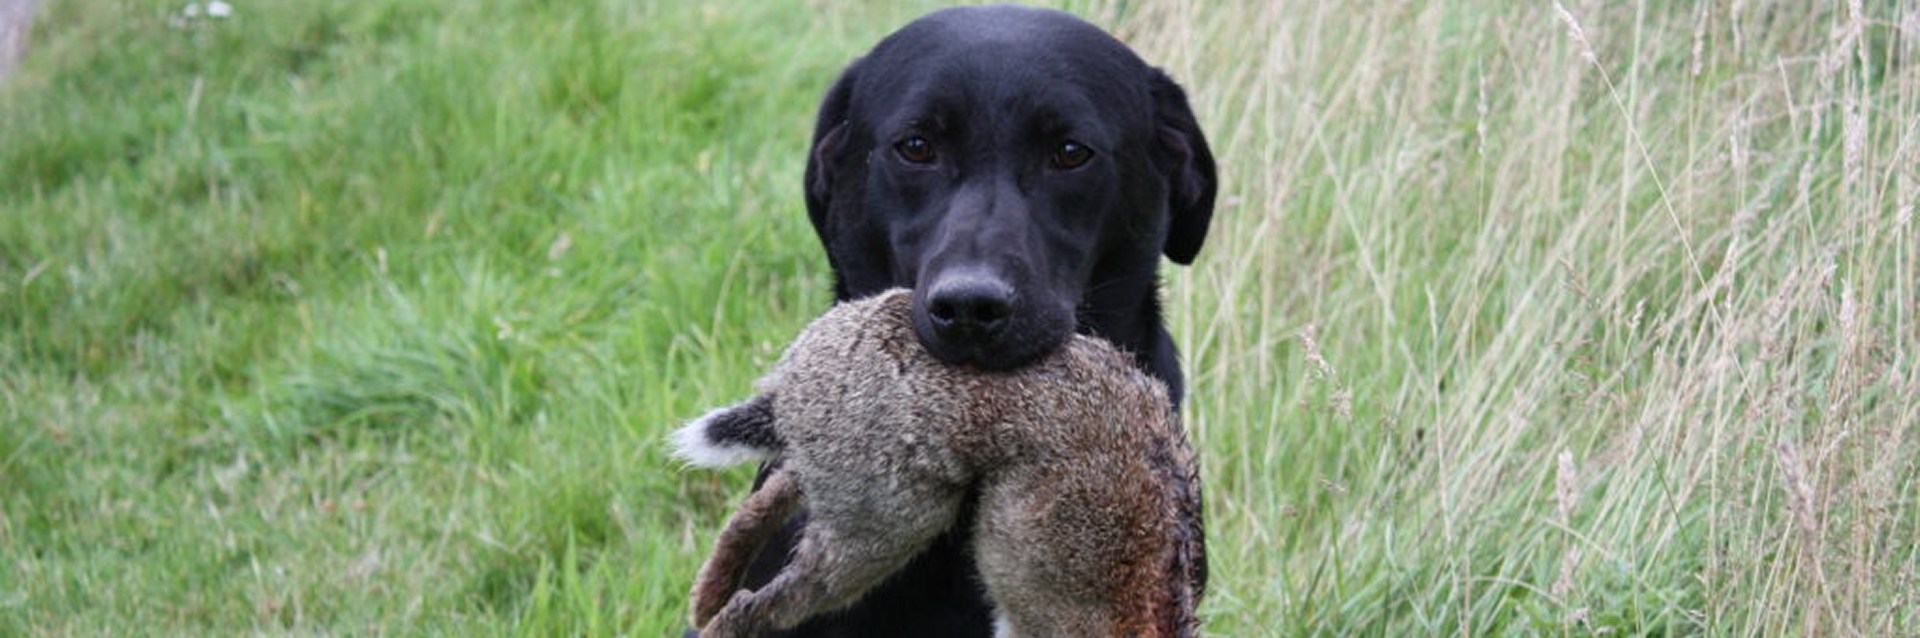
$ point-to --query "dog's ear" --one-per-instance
(829, 140)
(1182, 156)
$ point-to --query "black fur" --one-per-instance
(749, 424)
(1010, 236)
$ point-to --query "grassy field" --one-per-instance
(361, 318)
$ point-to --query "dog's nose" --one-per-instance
(968, 308)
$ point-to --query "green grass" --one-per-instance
(369, 318)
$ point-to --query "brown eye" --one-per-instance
(1071, 154)
(915, 149)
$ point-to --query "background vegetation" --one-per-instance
(1519, 318)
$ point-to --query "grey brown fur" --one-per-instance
(1088, 513)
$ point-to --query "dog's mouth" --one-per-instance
(994, 340)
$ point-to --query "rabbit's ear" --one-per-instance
(730, 436)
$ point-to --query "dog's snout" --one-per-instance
(970, 308)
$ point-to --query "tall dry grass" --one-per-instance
(1595, 317)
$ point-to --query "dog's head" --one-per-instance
(1008, 164)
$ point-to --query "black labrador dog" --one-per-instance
(1023, 172)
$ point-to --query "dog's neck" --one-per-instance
(1131, 320)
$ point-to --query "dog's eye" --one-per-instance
(915, 149)
(1071, 154)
